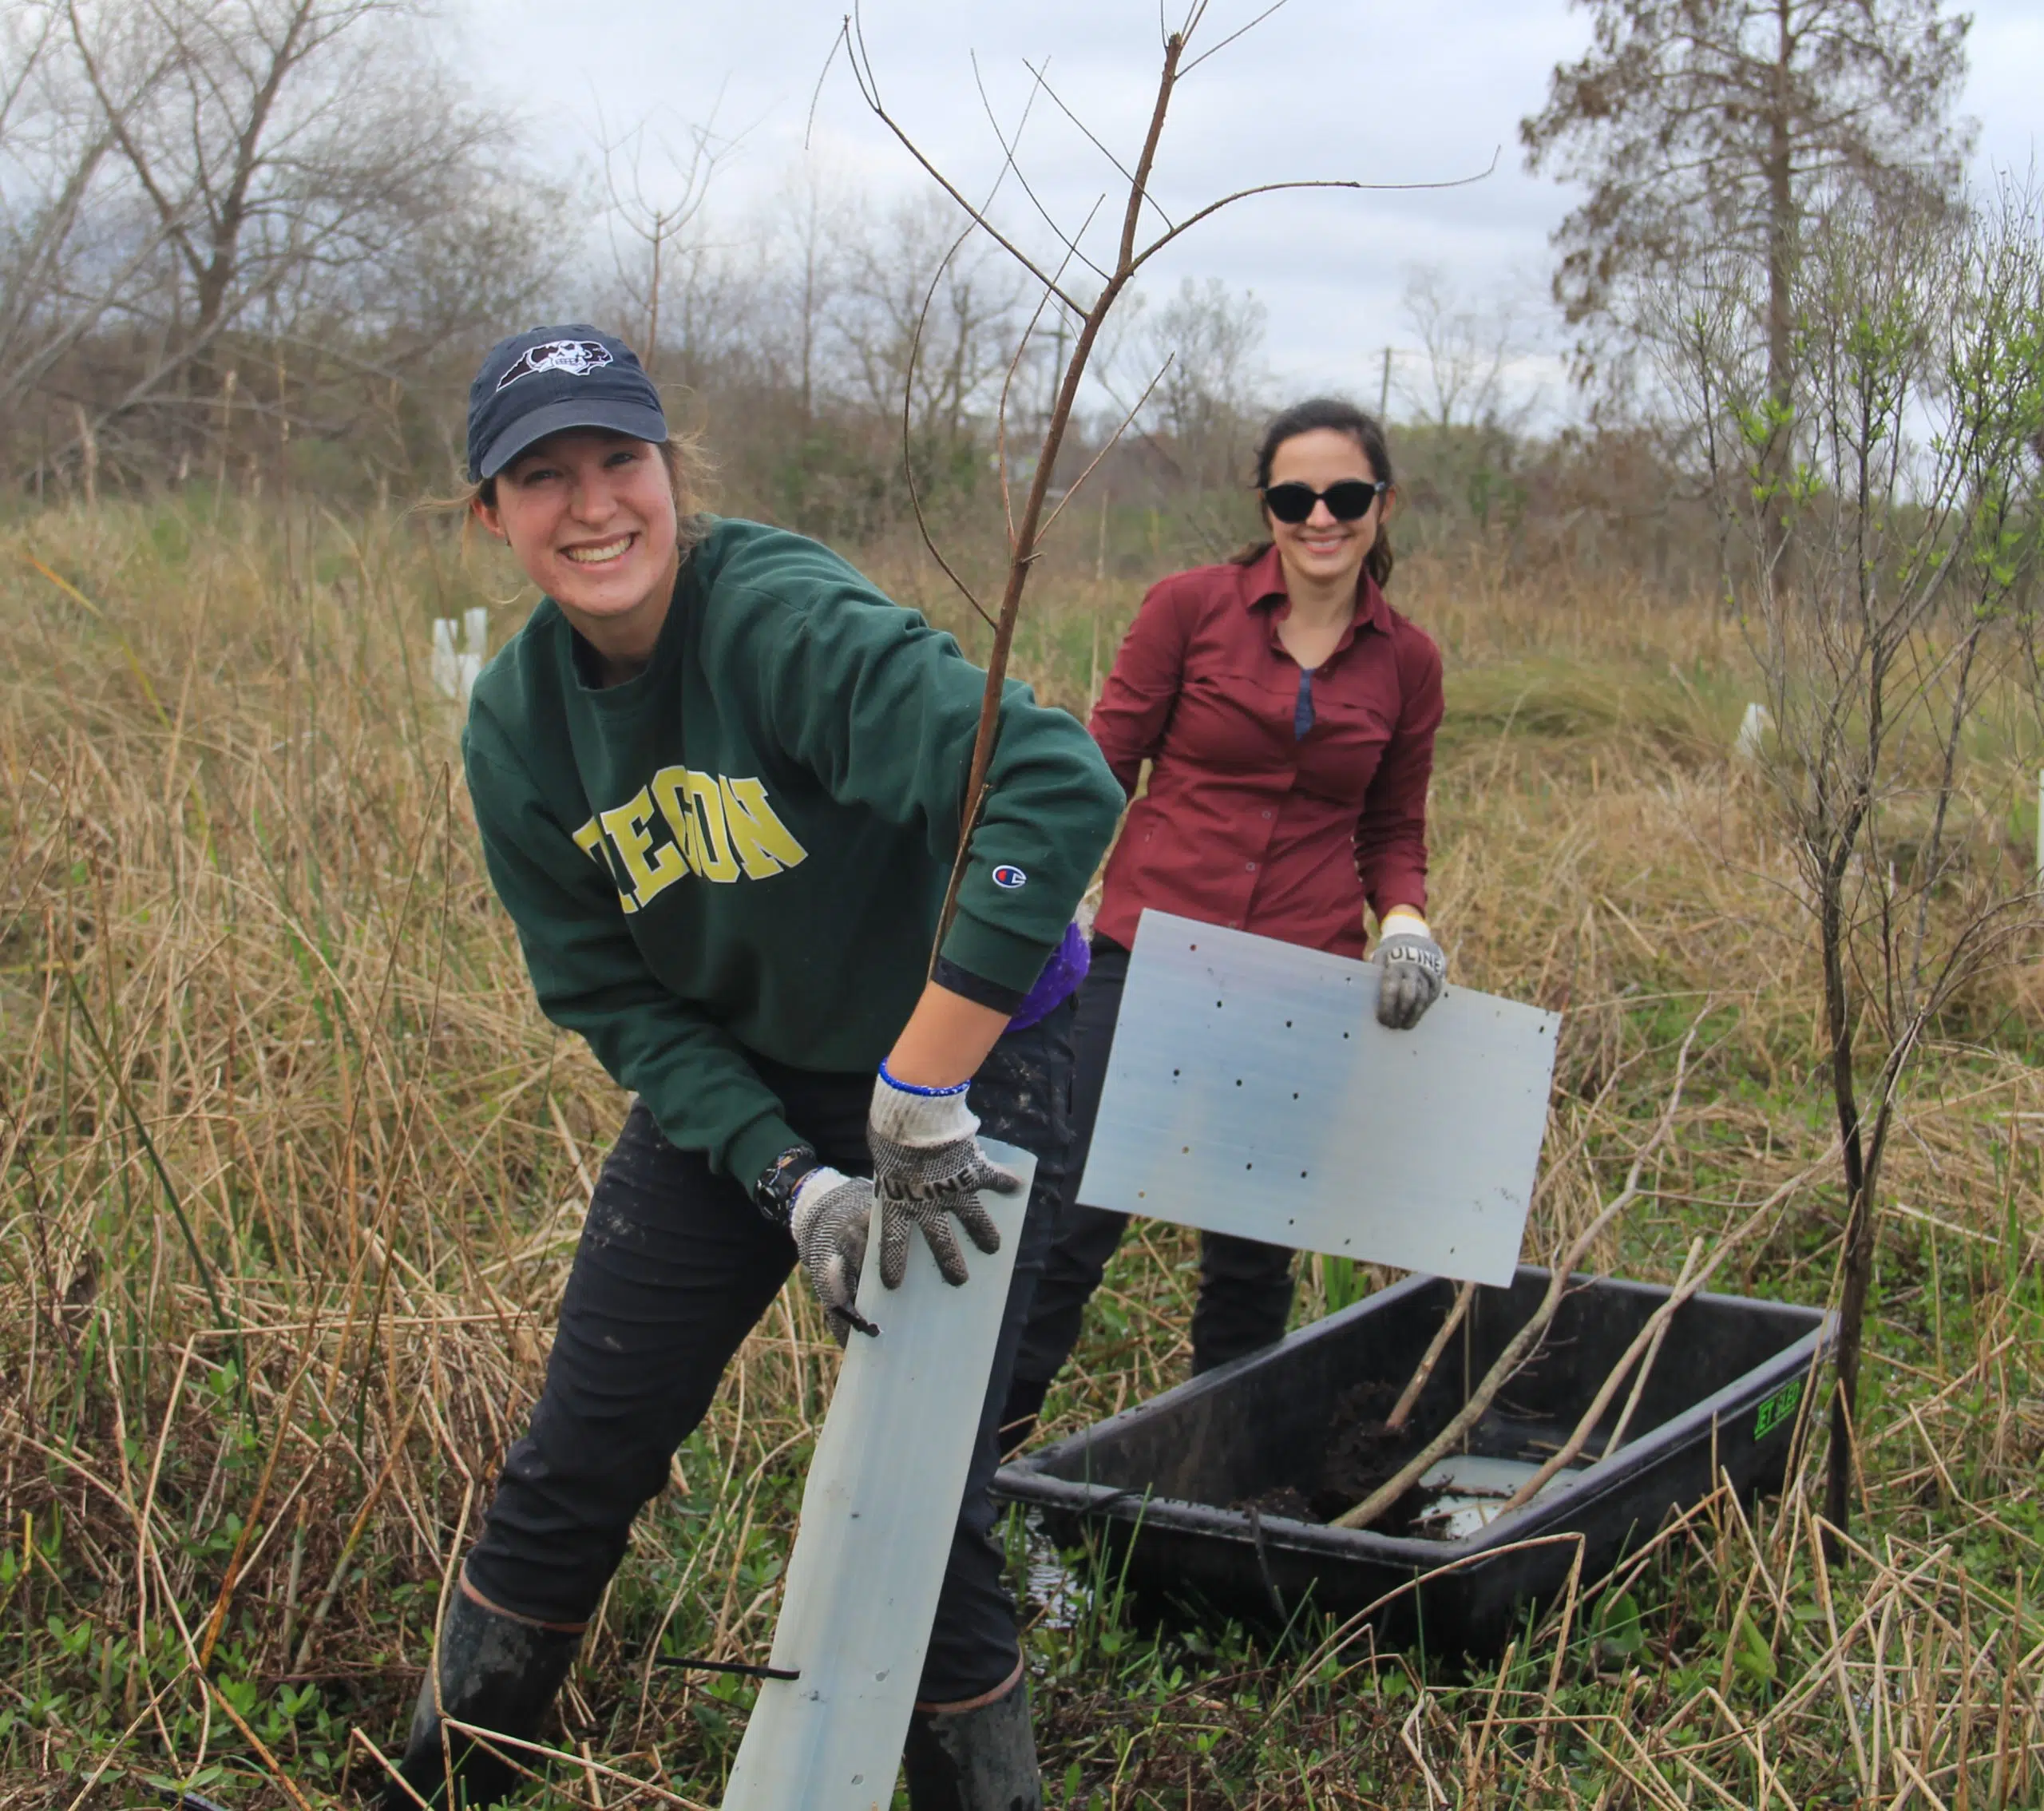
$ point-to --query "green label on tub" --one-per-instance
(1779, 1409)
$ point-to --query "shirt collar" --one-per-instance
(1262, 581)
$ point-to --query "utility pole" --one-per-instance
(1383, 387)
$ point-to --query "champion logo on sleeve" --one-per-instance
(1009, 877)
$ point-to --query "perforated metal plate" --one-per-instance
(1251, 1091)
(878, 1515)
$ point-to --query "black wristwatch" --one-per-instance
(774, 1192)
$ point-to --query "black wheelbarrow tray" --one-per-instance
(1170, 1488)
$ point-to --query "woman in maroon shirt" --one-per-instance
(1290, 712)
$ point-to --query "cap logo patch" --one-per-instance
(1009, 877)
(576, 357)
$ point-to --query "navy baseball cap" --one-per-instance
(547, 379)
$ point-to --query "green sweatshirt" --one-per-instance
(745, 848)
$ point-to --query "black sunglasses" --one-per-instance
(1347, 500)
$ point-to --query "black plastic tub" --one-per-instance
(1167, 1485)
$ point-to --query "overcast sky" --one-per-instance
(1404, 93)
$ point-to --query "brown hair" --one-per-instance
(1367, 431)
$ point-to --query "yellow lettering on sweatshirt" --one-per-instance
(713, 847)
(589, 839)
(670, 794)
(720, 827)
(626, 826)
(764, 842)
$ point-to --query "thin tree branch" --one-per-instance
(1001, 414)
(1071, 245)
(1112, 442)
(1025, 536)
(1275, 6)
(1214, 207)
(862, 73)
(1122, 169)
(907, 436)
(1401, 1410)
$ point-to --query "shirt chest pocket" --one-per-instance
(1236, 724)
(1349, 738)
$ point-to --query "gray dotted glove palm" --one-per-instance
(927, 1167)
(1414, 968)
(829, 1220)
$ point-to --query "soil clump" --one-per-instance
(1358, 1453)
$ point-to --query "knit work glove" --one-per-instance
(927, 1166)
(1414, 968)
(830, 1216)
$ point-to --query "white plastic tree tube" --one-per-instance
(877, 1514)
(446, 658)
(457, 662)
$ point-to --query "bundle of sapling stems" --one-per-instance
(1526, 1343)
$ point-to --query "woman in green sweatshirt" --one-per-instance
(718, 778)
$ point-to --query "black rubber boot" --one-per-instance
(979, 1760)
(497, 1673)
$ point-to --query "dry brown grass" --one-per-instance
(293, 1171)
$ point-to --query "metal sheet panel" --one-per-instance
(877, 1514)
(1251, 1091)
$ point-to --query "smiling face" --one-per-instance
(591, 518)
(1320, 554)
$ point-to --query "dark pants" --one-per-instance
(1245, 1285)
(675, 1266)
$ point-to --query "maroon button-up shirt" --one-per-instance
(1245, 823)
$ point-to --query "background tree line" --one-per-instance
(254, 243)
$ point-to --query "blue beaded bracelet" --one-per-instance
(928, 1093)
